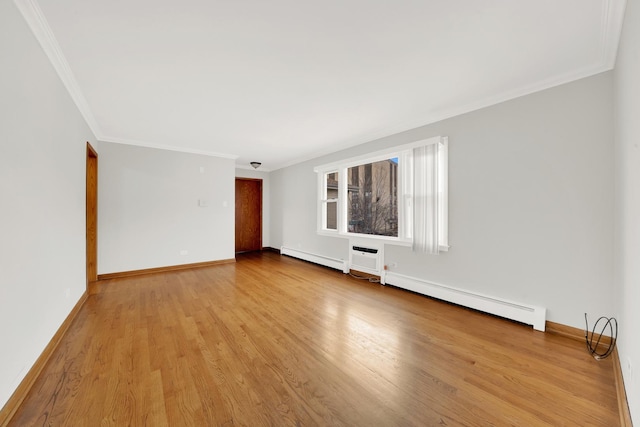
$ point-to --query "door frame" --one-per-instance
(91, 210)
(260, 181)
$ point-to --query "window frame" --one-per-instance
(404, 153)
(325, 200)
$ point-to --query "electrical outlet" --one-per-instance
(184, 252)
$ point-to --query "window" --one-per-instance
(372, 205)
(329, 200)
(398, 195)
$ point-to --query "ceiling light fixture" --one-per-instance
(255, 165)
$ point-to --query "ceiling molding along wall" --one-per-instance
(30, 10)
(458, 111)
(613, 18)
(32, 13)
(610, 30)
(166, 147)
(251, 168)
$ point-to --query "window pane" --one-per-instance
(332, 186)
(332, 216)
(331, 204)
(372, 206)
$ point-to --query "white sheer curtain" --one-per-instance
(425, 208)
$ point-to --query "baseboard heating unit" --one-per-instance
(530, 315)
(370, 260)
(338, 264)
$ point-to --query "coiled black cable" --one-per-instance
(612, 324)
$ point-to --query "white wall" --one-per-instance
(531, 202)
(42, 193)
(627, 161)
(148, 208)
(293, 210)
(266, 198)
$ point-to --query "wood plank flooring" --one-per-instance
(274, 341)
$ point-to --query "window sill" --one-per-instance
(328, 233)
(384, 239)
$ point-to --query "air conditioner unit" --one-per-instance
(366, 257)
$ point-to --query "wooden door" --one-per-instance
(248, 214)
(92, 215)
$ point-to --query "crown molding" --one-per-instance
(519, 92)
(250, 168)
(166, 147)
(32, 13)
(611, 29)
(438, 116)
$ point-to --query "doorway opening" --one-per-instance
(92, 216)
(248, 214)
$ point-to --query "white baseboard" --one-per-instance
(338, 264)
(530, 315)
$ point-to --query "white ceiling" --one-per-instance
(282, 81)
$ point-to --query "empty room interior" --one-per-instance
(319, 213)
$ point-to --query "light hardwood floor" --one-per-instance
(273, 341)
